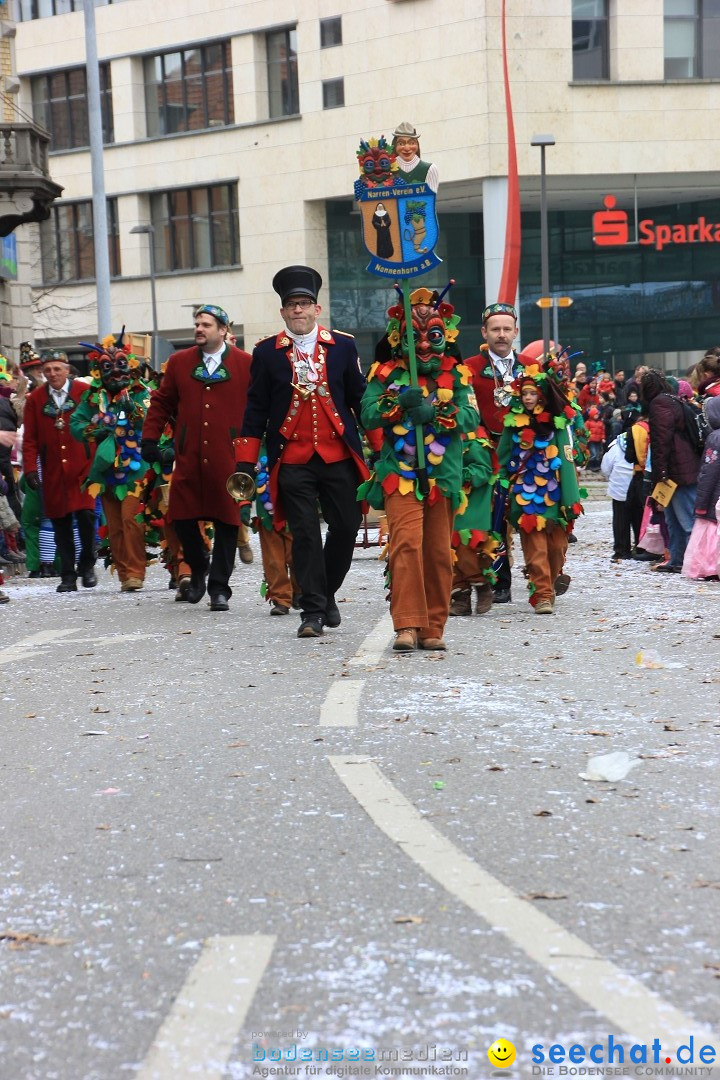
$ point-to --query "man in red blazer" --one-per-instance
(203, 391)
(64, 464)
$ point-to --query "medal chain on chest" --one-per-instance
(502, 396)
(308, 369)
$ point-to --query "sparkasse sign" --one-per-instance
(610, 229)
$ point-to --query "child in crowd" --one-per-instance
(631, 410)
(702, 555)
(596, 427)
(618, 472)
(537, 466)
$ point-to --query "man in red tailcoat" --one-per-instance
(64, 464)
(204, 392)
(304, 399)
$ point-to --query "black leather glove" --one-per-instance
(247, 467)
(149, 451)
(32, 479)
(421, 414)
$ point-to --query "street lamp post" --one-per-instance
(542, 141)
(149, 230)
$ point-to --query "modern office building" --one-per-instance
(231, 128)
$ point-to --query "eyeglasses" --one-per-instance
(304, 304)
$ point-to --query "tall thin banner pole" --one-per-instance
(422, 476)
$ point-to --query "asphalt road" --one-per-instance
(221, 844)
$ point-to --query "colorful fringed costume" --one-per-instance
(443, 404)
(110, 417)
(473, 542)
(537, 460)
(279, 586)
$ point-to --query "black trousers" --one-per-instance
(65, 542)
(621, 529)
(223, 552)
(320, 571)
(637, 493)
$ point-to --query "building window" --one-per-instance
(66, 242)
(196, 228)
(333, 91)
(330, 32)
(282, 71)
(60, 105)
(41, 9)
(590, 39)
(692, 39)
(189, 90)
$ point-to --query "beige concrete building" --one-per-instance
(231, 127)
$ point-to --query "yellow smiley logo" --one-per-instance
(501, 1054)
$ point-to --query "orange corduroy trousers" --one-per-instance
(544, 551)
(126, 535)
(276, 551)
(421, 566)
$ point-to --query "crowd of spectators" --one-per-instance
(663, 471)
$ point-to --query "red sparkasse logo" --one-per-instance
(610, 229)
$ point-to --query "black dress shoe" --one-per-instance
(89, 578)
(68, 585)
(196, 589)
(502, 596)
(332, 615)
(35, 574)
(310, 627)
(219, 602)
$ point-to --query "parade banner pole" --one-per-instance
(422, 475)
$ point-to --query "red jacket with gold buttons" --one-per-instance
(64, 462)
(206, 413)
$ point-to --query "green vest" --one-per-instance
(418, 175)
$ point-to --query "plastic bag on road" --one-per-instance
(609, 767)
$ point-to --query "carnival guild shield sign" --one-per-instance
(399, 222)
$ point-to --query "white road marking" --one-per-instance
(623, 1000)
(197, 1036)
(20, 648)
(375, 644)
(31, 646)
(340, 708)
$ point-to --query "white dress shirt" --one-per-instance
(60, 395)
(212, 361)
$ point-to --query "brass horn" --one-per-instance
(240, 486)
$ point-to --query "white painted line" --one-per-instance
(624, 1001)
(27, 648)
(340, 708)
(20, 649)
(375, 644)
(197, 1036)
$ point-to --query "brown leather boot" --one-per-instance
(484, 599)
(461, 602)
(405, 640)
